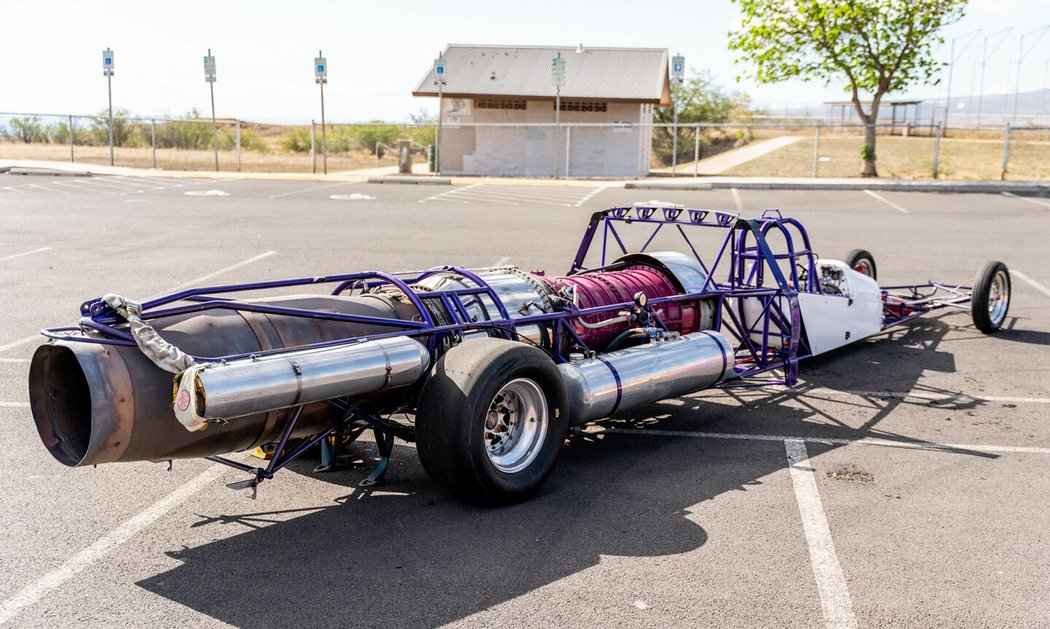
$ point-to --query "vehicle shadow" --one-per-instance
(414, 557)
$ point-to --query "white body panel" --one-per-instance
(849, 308)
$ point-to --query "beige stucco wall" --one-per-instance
(530, 151)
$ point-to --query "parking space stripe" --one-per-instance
(1034, 284)
(737, 201)
(14, 404)
(106, 544)
(1027, 199)
(863, 441)
(893, 205)
(448, 192)
(311, 189)
(67, 184)
(25, 253)
(19, 342)
(589, 195)
(831, 584)
(14, 360)
(223, 270)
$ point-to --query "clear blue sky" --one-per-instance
(50, 52)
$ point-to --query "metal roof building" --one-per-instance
(498, 111)
(612, 74)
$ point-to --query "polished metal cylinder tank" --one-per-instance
(598, 387)
(95, 403)
(248, 386)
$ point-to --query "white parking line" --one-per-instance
(19, 342)
(14, 404)
(1034, 284)
(447, 192)
(1029, 200)
(831, 584)
(863, 441)
(886, 201)
(106, 544)
(223, 270)
(311, 189)
(25, 253)
(14, 360)
(9, 188)
(736, 199)
(589, 195)
(68, 184)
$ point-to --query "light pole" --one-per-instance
(209, 77)
(107, 71)
(677, 74)
(321, 77)
(984, 64)
(439, 80)
(1021, 54)
(951, 71)
(558, 78)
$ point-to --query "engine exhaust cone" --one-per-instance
(95, 403)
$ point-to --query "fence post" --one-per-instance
(696, 152)
(816, 148)
(313, 147)
(237, 139)
(153, 139)
(937, 152)
(568, 147)
(1006, 151)
(72, 133)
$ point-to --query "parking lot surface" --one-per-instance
(902, 482)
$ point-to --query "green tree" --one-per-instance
(699, 99)
(878, 46)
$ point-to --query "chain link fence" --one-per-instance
(801, 148)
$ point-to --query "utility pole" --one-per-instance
(1021, 54)
(951, 71)
(984, 64)
(209, 77)
(321, 77)
(677, 76)
(558, 78)
(439, 80)
(107, 71)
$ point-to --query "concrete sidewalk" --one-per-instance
(654, 183)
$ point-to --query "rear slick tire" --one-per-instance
(990, 299)
(491, 421)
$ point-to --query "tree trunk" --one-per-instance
(867, 168)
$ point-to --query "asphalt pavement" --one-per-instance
(902, 483)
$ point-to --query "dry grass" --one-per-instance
(906, 158)
(191, 159)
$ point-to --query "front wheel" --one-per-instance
(990, 299)
(862, 262)
(491, 420)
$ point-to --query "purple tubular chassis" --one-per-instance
(744, 266)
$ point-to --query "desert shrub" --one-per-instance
(27, 129)
(297, 141)
(368, 136)
(250, 141)
(124, 132)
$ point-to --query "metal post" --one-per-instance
(674, 140)
(557, 126)
(1006, 151)
(937, 152)
(568, 148)
(1017, 87)
(214, 126)
(237, 139)
(437, 135)
(324, 135)
(71, 135)
(153, 140)
(816, 148)
(696, 152)
(313, 147)
(984, 65)
(109, 86)
(951, 71)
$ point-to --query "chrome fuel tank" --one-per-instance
(598, 387)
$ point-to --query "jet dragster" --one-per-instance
(488, 367)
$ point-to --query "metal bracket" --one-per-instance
(385, 443)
